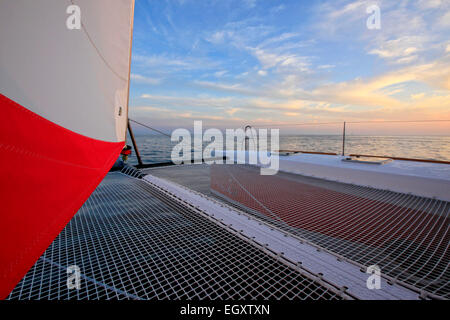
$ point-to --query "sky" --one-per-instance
(275, 63)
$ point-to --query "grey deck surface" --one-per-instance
(195, 177)
(132, 241)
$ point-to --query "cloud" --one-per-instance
(370, 92)
(407, 34)
(336, 19)
(376, 91)
(241, 33)
(400, 50)
(232, 111)
(444, 21)
(220, 74)
(429, 4)
(169, 63)
(250, 3)
(326, 66)
(282, 62)
(262, 72)
(166, 113)
(279, 38)
(142, 79)
(291, 114)
(347, 9)
(186, 101)
(277, 9)
(217, 37)
(234, 88)
(400, 71)
(436, 74)
(418, 96)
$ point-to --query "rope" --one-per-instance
(341, 122)
(148, 127)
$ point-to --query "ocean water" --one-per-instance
(157, 148)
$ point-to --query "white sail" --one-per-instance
(76, 78)
(64, 99)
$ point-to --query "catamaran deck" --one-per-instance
(182, 232)
(407, 236)
(133, 241)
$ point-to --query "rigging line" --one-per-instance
(275, 216)
(393, 121)
(297, 124)
(148, 127)
(340, 122)
(98, 51)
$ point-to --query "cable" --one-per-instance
(148, 127)
(341, 122)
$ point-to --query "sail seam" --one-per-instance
(98, 51)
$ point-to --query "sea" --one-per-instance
(158, 148)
